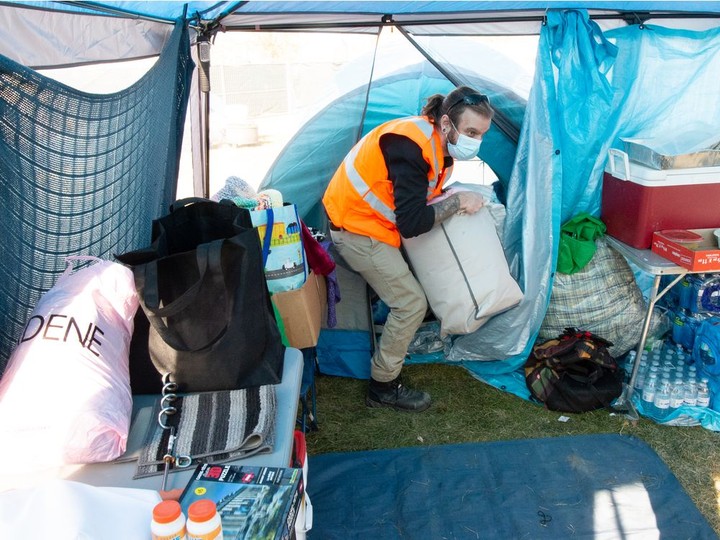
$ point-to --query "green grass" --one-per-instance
(467, 410)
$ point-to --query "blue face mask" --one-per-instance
(465, 148)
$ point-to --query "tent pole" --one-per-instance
(361, 126)
(203, 53)
(198, 134)
(205, 142)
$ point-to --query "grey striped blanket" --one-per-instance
(212, 427)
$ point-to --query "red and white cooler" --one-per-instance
(638, 200)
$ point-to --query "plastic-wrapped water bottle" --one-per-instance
(667, 371)
(703, 393)
(680, 367)
(691, 394)
(662, 398)
(691, 324)
(644, 358)
(629, 363)
(677, 394)
(642, 373)
(649, 391)
(653, 369)
(691, 299)
(685, 293)
(678, 329)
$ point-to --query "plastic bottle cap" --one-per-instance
(166, 511)
(202, 510)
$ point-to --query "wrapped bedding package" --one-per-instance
(461, 266)
(65, 395)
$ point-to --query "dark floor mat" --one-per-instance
(592, 486)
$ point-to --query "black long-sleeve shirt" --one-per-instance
(408, 170)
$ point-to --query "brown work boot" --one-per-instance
(396, 395)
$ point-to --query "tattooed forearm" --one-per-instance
(446, 208)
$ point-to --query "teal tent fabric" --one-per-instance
(305, 166)
(211, 9)
(82, 174)
(549, 182)
(661, 80)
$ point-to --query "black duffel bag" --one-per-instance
(202, 286)
(573, 373)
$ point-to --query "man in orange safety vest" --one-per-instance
(379, 194)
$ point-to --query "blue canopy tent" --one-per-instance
(595, 78)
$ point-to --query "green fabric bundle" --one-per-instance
(577, 242)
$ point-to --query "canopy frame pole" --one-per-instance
(361, 125)
(501, 121)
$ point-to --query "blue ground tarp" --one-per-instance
(540, 488)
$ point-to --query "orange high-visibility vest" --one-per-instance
(360, 197)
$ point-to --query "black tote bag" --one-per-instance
(202, 287)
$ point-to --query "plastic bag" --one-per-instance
(65, 395)
(427, 340)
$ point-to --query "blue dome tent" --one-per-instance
(304, 167)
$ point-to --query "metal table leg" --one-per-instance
(624, 402)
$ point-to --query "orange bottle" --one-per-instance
(203, 521)
(168, 521)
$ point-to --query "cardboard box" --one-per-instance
(302, 311)
(702, 255)
(253, 502)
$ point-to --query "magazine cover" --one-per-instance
(258, 503)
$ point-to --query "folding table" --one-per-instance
(652, 263)
(121, 474)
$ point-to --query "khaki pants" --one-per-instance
(385, 270)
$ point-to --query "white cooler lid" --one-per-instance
(619, 166)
